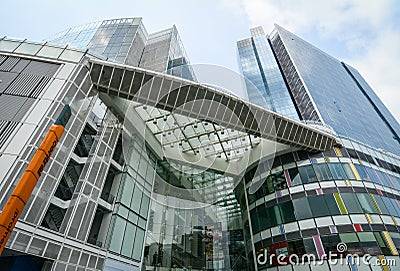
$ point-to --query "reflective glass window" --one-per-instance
(277, 214)
(396, 239)
(352, 242)
(381, 205)
(322, 172)
(51, 52)
(302, 208)
(294, 176)
(332, 205)
(128, 240)
(372, 175)
(366, 203)
(28, 48)
(136, 199)
(272, 219)
(348, 171)
(318, 206)
(307, 174)
(8, 45)
(138, 245)
(71, 55)
(258, 215)
(309, 246)
(337, 171)
(126, 192)
(384, 178)
(145, 205)
(287, 212)
(117, 234)
(362, 172)
(396, 205)
(351, 203)
(382, 244)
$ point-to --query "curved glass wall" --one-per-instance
(308, 203)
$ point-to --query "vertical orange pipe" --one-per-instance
(20, 196)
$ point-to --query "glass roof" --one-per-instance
(194, 136)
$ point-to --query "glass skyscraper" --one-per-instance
(156, 171)
(126, 41)
(265, 83)
(307, 202)
(338, 94)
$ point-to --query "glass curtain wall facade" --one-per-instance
(126, 41)
(165, 52)
(156, 172)
(309, 202)
(122, 40)
(333, 89)
(264, 81)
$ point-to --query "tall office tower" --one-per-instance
(309, 202)
(265, 83)
(126, 41)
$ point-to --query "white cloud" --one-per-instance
(366, 29)
(379, 66)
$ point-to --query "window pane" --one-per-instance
(28, 48)
(318, 206)
(71, 55)
(362, 172)
(394, 202)
(351, 203)
(287, 212)
(348, 171)
(309, 246)
(136, 199)
(279, 181)
(137, 249)
(8, 45)
(348, 237)
(332, 205)
(259, 218)
(302, 208)
(307, 174)
(295, 176)
(127, 191)
(368, 243)
(322, 172)
(337, 171)
(128, 240)
(271, 217)
(381, 205)
(372, 175)
(366, 203)
(117, 234)
(277, 215)
(48, 51)
(145, 205)
(296, 247)
(384, 178)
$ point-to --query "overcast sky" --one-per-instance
(363, 33)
